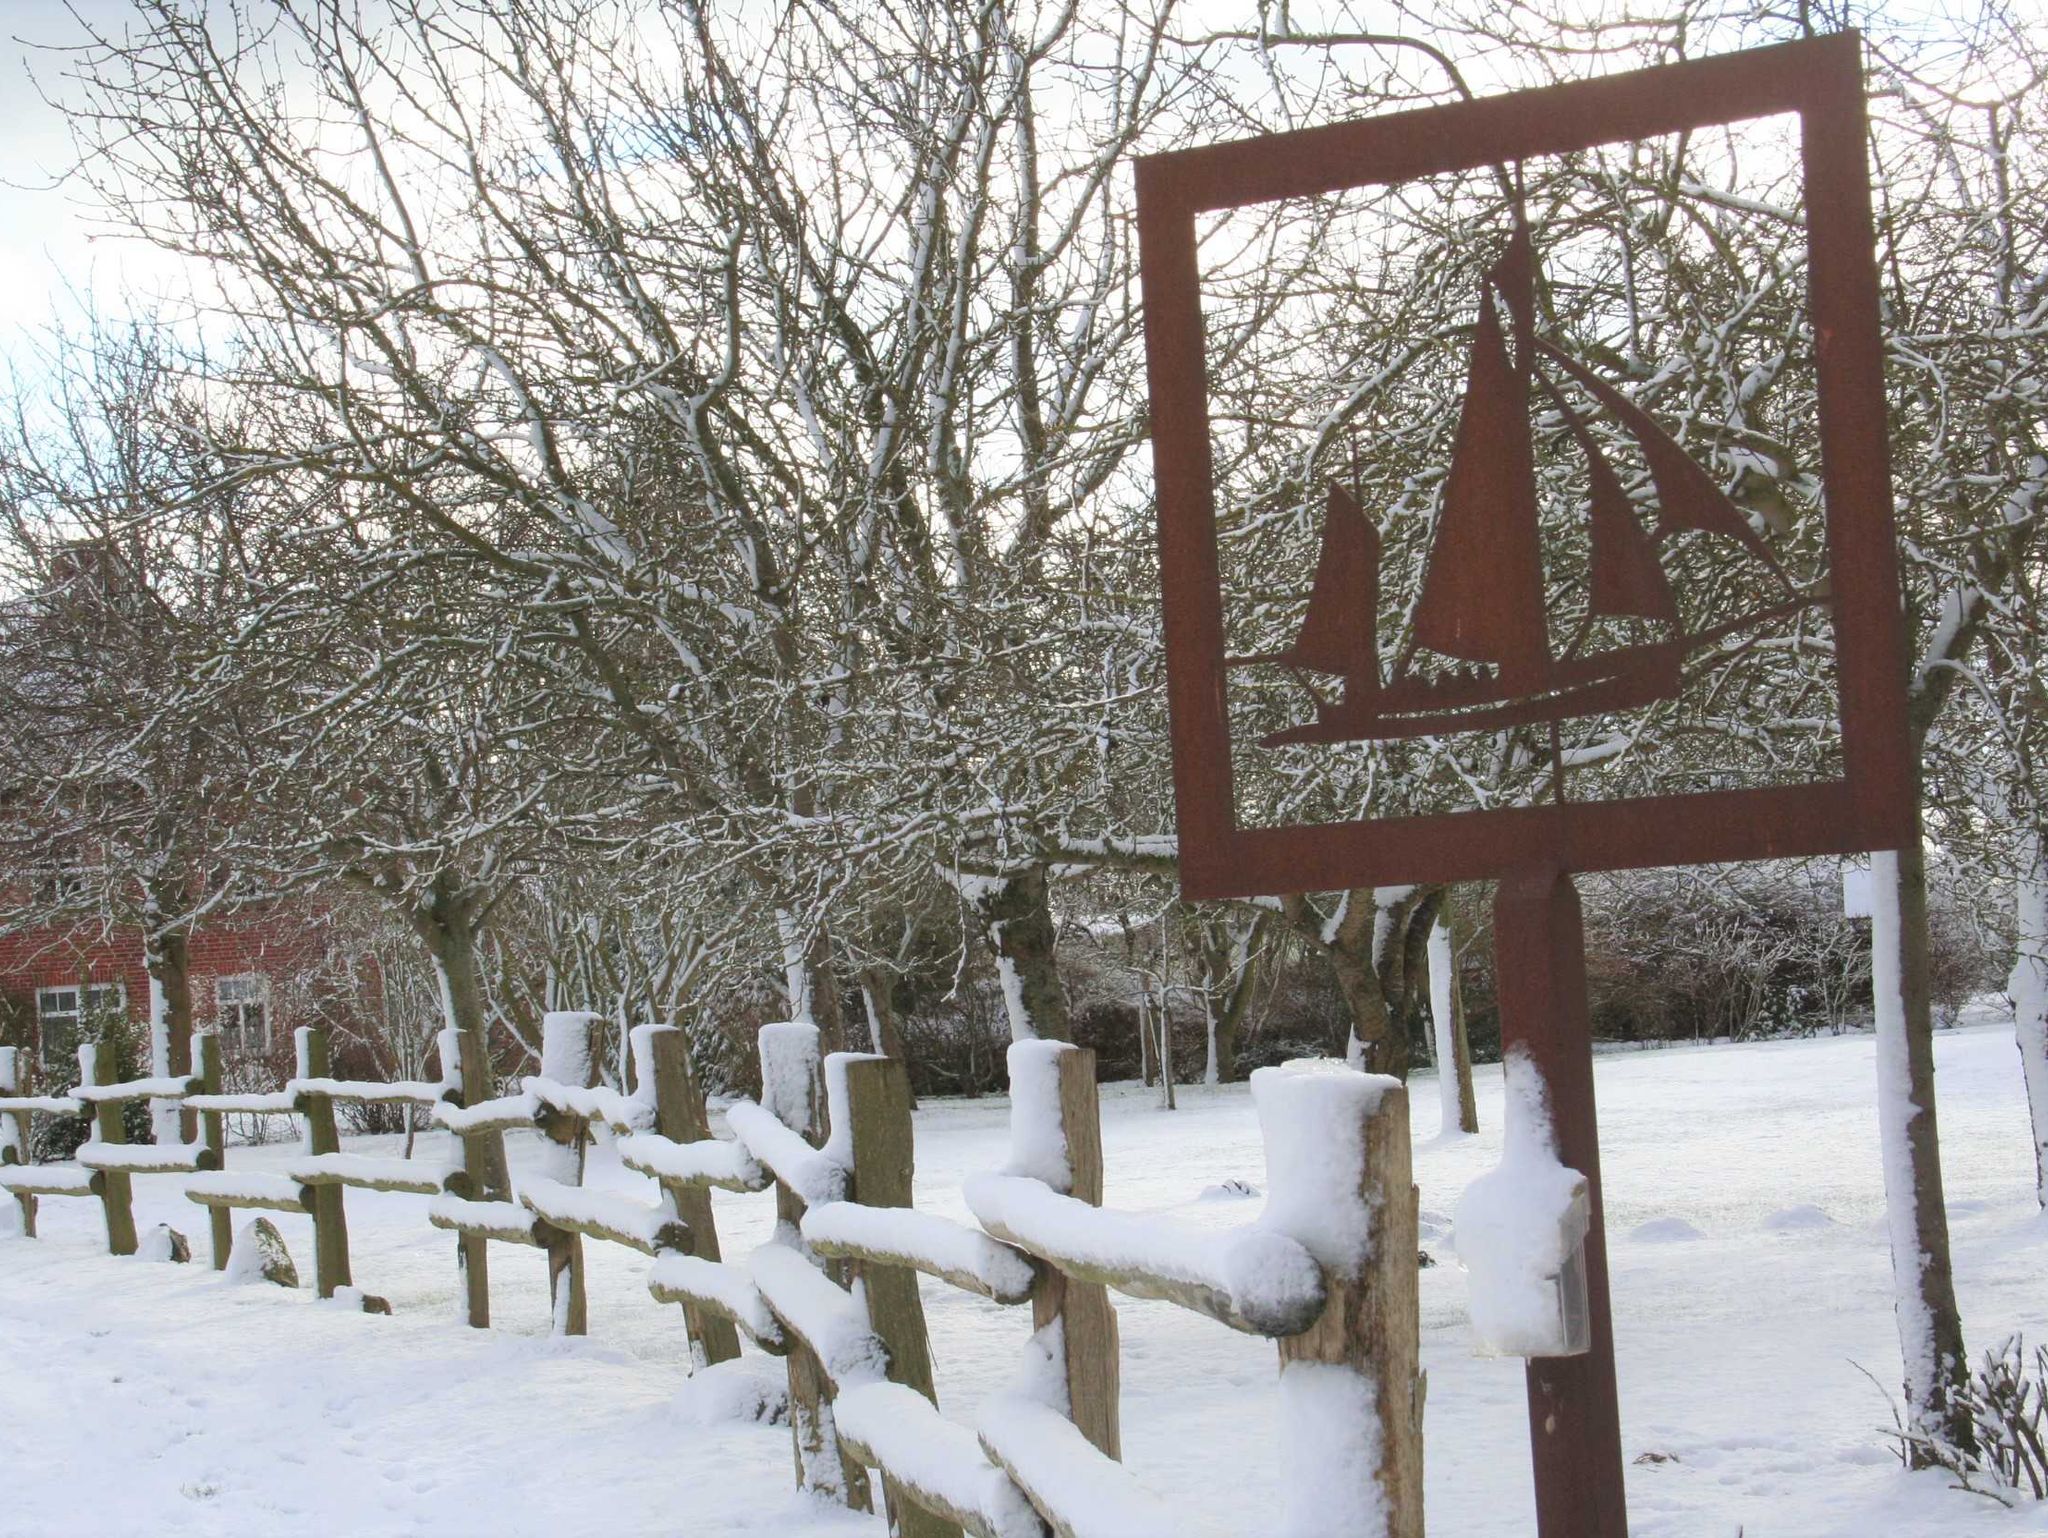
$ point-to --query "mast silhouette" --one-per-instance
(1484, 599)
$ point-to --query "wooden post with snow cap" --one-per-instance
(662, 1056)
(117, 1191)
(876, 1095)
(791, 1074)
(568, 1056)
(323, 1202)
(1056, 1137)
(14, 1148)
(1340, 1183)
(213, 1134)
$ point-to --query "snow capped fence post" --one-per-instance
(213, 1135)
(323, 1202)
(679, 1116)
(568, 1055)
(877, 1100)
(1056, 1137)
(790, 1083)
(117, 1193)
(1340, 1184)
(14, 1133)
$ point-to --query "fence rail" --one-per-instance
(1327, 1272)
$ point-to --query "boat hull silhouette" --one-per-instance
(1427, 708)
(1618, 680)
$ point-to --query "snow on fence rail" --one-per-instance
(1327, 1271)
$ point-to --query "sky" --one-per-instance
(48, 255)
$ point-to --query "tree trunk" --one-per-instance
(1930, 1326)
(444, 923)
(877, 992)
(1372, 1045)
(1232, 959)
(1016, 918)
(167, 956)
(1458, 1106)
(1365, 945)
(813, 995)
(2029, 989)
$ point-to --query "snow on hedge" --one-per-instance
(1516, 1226)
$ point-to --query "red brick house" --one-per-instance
(255, 977)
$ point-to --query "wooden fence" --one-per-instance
(1328, 1272)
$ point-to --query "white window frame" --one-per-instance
(85, 998)
(249, 989)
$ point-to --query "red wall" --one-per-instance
(282, 945)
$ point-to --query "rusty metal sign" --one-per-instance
(1481, 614)
(1482, 645)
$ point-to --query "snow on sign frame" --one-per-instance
(1479, 593)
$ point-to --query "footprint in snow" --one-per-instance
(1664, 1231)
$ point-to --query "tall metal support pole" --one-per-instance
(1574, 1412)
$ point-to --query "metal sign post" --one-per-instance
(1487, 612)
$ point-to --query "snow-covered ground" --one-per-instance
(1751, 1280)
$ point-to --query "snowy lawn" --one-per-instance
(1751, 1280)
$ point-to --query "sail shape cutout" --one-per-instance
(1338, 633)
(1482, 592)
(1627, 579)
(1687, 497)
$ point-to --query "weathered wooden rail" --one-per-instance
(1327, 1271)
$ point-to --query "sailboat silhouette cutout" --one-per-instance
(1483, 598)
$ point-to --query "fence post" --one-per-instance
(324, 1202)
(1341, 1183)
(117, 1191)
(679, 1116)
(213, 1135)
(1074, 1319)
(883, 1151)
(567, 1056)
(14, 1143)
(790, 1092)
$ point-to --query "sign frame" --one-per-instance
(1869, 807)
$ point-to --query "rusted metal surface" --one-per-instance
(1574, 1409)
(1474, 602)
(1483, 603)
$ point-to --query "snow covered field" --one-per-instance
(1751, 1282)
